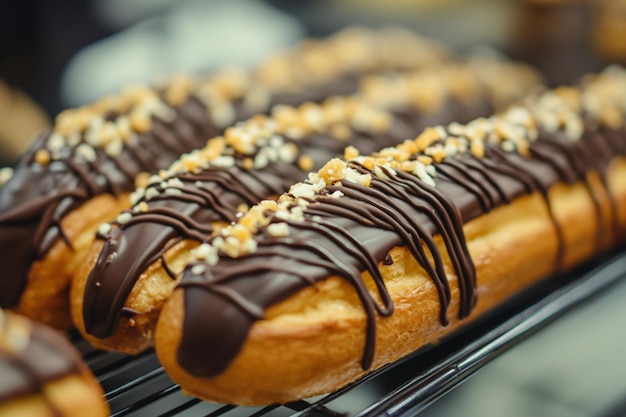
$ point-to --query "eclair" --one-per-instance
(79, 174)
(136, 260)
(375, 256)
(43, 374)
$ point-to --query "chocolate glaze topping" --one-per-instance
(37, 197)
(70, 165)
(344, 224)
(215, 194)
(32, 355)
(210, 195)
(79, 159)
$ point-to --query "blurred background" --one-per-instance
(65, 53)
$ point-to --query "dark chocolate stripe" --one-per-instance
(379, 218)
(37, 197)
(45, 358)
(213, 195)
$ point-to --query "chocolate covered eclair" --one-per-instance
(43, 374)
(375, 256)
(136, 260)
(79, 174)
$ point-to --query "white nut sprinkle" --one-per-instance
(257, 100)
(18, 335)
(123, 125)
(151, 193)
(165, 112)
(518, 115)
(202, 251)
(456, 128)
(508, 146)
(278, 229)
(154, 179)
(175, 182)
(136, 196)
(574, 127)
(288, 152)
(124, 217)
(104, 229)
(450, 149)
(92, 137)
(73, 139)
(250, 246)
(56, 142)
(223, 161)
(314, 118)
(222, 114)
(302, 190)
(441, 131)
(283, 215)
(173, 192)
(96, 123)
(114, 148)
(380, 173)
(87, 152)
(295, 133)
(260, 161)
(276, 141)
(272, 153)
(5, 175)
(198, 269)
(421, 172)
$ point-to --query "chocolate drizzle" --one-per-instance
(210, 195)
(45, 357)
(35, 200)
(354, 232)
(213, 195)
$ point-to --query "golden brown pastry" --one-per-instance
(79, 174)
(42, 374)
(136, 262)
(375, 256)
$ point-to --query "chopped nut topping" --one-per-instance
(305, 163)
(350, 153)
(172, 191)
(140, 120)
(198, 269)
(124, 217)
(222, 114)
(278, 229)
(5, 175)
(87, 152)
(141, 179)
(15, 333)
(114, 149)
(179, 89)
(42, 157)
(512, 130)
(104, 229)
(142, 207)
(333, 171)
(55, 142)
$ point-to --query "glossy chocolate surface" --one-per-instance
(43, 357)
(214, 195)
(354, 233)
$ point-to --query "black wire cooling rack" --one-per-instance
(138, 386)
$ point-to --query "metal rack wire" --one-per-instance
(138, 386)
